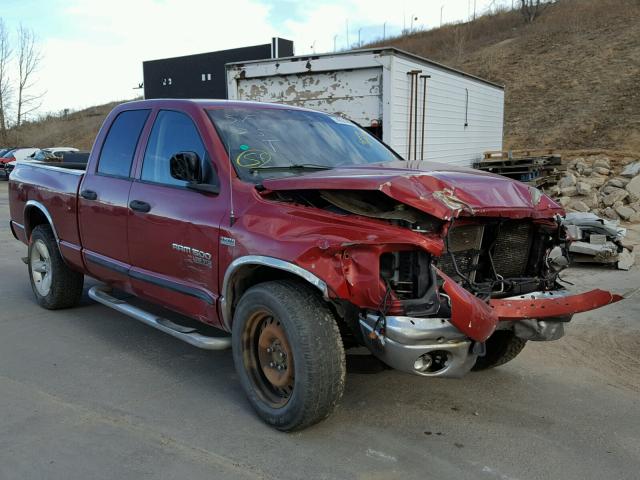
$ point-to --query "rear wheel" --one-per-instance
(502, 347)
(288, 354)
(53, 283)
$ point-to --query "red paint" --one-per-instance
(341, 250)
(469, 314)
(518, 309)
(426, 186)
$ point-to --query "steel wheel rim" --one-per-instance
(40, 264)
(268, 359)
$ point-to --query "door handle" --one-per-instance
(89, 195)
(139, 206)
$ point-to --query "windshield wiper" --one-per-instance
(293, 166)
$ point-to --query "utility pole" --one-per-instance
(441, 8)
(359, 42)
(474, 10)
(335, 37)
(413, 17)
(384, 30)
(347, 33)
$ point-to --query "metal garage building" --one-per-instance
(203, 75)
(422, 109)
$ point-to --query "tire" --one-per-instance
(502, 347)
(300, 380)
(54, 284)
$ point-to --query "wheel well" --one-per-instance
(32, 218)
(250, 275)
(253, 274)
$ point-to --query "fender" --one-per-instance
(238, 263)
(34, 204)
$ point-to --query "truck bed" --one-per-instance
(34, 184)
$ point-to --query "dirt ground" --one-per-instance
(89, 393)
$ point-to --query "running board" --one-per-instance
(101, 294)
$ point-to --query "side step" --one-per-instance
(101, 294)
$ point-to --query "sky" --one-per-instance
(93, 49)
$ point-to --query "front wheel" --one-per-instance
(288, 354)
(53, 283)
(502, 347)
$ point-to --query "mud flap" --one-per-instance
(473, 317)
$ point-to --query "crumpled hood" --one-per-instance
(438, 189)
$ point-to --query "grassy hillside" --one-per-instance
(572, 77)
(77, 129)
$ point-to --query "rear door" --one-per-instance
(103, 199)
(173, 239)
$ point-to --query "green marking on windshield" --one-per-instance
(244, 147)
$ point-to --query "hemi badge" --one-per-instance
(229, 242)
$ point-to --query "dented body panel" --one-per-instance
(435, 188)
(549, 305)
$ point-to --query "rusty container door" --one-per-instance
(355, 94)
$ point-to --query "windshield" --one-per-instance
(265, 142)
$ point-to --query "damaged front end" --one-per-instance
(424, 292)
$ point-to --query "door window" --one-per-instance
(119, 147)
(172, 132)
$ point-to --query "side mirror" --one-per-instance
(186, 166)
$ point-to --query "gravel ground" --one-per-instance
(89, 393)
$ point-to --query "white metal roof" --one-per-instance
(380, 50)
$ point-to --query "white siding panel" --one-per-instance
(446, 138)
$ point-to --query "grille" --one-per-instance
(465, 242)
(469, 244)
(512, 249)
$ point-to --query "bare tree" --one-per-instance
(530, 9)
(460, 38)
(5, 85)
(29, 58)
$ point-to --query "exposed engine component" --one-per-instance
(500, 257)
(366, 203)
(406, 273)
(410, 276)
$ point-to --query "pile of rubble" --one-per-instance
(596, 240)
(593, 184)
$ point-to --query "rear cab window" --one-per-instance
(118, 149)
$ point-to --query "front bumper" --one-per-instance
(430, 347)
(449, 347)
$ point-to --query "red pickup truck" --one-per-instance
(298, 235)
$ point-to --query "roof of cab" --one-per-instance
(203, 103)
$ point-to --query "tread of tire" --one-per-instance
(322, 349)
(66, 289)
(507, 347)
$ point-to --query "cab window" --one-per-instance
(119, 147)
(172, 132)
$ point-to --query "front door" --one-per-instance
(103, 199)
(173, 231)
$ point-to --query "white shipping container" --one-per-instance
(463, 114)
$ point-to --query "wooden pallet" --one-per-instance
(535, 167)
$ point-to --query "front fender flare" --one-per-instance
(226, 299)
